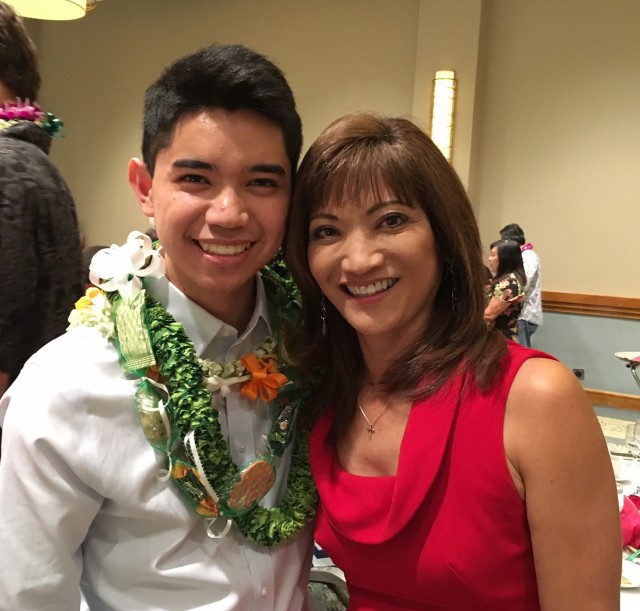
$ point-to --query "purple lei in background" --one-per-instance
(11, 113)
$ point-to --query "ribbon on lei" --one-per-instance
(265, 378)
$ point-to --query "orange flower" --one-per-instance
(207, 508)
(179, 470)
(265, 378)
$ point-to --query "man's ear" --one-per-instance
(140, 180)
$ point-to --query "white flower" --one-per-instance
(93, 310)
(121, 267)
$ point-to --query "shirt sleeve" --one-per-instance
(45, 502)
(508, 289)
(531, 263)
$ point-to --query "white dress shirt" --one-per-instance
(532, 306)
(81, 503)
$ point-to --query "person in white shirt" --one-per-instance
(531, 315)
(151, 455)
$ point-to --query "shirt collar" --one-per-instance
(200, 326)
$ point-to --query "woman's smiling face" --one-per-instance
(376, 261)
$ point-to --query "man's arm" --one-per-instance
(45, 502)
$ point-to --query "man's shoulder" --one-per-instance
(82, 350)
(71, 375)
(26, 168)
(18, 151)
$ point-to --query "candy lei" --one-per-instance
(174, 400)
(13, 113)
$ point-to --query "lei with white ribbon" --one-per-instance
(174, 399)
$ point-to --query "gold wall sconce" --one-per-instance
(443, 111)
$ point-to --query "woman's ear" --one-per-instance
(141, 181)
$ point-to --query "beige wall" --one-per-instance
(547, 132)
(437, 50)
(557, 139)
(339, 57)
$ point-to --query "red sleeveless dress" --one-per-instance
(449, 530)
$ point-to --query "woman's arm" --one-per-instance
(555, 445)
(506, 291)
(494, 308)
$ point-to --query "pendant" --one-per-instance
(251, 484)
(281, 433)
(371, 431)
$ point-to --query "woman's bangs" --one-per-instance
(360, 177)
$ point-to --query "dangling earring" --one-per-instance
(454, 294)
(323, 316)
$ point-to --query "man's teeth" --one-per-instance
(371, 289)
(225, 249)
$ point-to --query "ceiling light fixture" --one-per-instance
(56, 10)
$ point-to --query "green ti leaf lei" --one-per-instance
(191, 401)
(189, 409)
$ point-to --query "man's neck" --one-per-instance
(6, 96)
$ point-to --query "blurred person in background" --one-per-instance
(39, 236)
(505, 292)
(531, 313)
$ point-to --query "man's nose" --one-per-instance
(227, 209)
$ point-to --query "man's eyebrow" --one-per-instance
(269, 168)
(196, 164)
(192, 164)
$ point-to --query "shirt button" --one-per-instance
(242, 448)
(264, 592)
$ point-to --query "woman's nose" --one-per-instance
(361, 254)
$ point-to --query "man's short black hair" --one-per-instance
(19, 71)
(513, 232)
(228, 77)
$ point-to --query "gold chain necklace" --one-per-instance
(371, 425)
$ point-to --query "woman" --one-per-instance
(505, 293)
(455, 470)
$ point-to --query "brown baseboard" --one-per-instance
(619, 400)
(591, 305)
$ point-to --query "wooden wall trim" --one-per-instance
(591, 305)
(618, 400)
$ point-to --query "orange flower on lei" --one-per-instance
(265, 378)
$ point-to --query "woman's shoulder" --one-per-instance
(508, 285)
(545, 393)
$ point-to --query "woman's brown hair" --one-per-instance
(353, 157)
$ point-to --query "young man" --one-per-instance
(128, 477)
(531, 314)
(39, 238)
